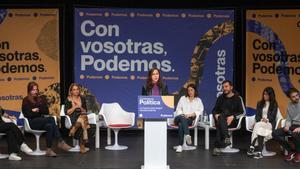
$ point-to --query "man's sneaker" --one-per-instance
(250, 151)
(289, 157)
(258, 155)
(24, 148)
(227, 141)
(188, 139)
(14, 156)
(179, 149)
(297, 158)
(216, 152)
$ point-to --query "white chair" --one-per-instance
(116, 118)
(3, 156)
(230, 149)
(68, 125)
(193, 126)
(36, 133)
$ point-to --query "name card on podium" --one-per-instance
(155, 107)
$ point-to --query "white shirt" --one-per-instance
(265, 110)
(185, 106)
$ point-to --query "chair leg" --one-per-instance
(97, 136)
(116, 146)
(196, 136)
(267, 153)
(37, 151)
(108, 136)
(207, 137)
(3, 156)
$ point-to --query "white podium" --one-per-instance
(155, 144)
(155, 110)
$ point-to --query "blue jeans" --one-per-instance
(183, 124)
(48, 124)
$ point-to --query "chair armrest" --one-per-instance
(68, 123)
(196, 121)
(170, 121)
(26, 124)
(239, 125)
(92, 118)
(212, 121)
(62, 110)
(132, 116)
(250, 121)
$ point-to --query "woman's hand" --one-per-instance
(75, 105)
(264, 120)
(189, 115)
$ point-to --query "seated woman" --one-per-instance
(33, 107)
(266, 111)
(76, 109)
(15, 138)
(188, 107)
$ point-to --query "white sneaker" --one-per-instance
(14, 156)
(188, 139)
(179, 149)
(24, 148)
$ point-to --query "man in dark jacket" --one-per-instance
(227, 111)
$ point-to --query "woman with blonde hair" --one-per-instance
(77, 110)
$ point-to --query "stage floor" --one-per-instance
(133, 157)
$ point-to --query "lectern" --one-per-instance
(155, 110)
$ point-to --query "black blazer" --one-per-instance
(162, 91)
(272, 113)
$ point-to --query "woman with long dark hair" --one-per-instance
(76, 109)
(154, 85)
(266, 111)
(33, 107)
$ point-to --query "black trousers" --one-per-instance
(279, 135)
(14, 136)
(260, 142)
(48, 124)
(222, 130)
(183, 127)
